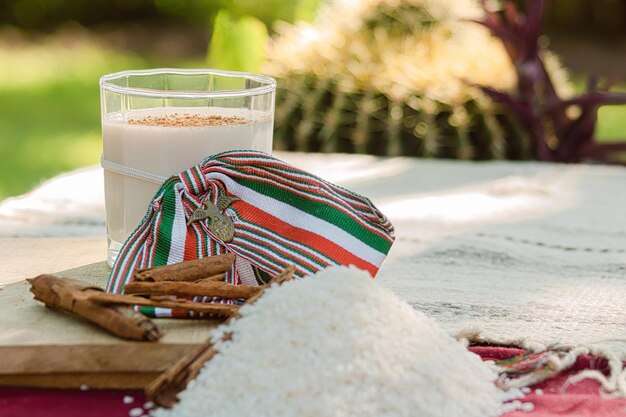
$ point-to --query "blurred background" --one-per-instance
(52, 53)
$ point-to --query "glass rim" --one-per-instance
(269, 83)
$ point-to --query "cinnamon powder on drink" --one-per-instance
(189, 120)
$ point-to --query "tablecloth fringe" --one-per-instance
(542, 362)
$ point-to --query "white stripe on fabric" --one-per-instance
(302, 220)
(162, 312)
(194, 181)
(245, 272)
(179, 229)
(134, 241)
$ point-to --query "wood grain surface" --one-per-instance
(43, 347)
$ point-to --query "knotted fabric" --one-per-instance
(282, 216)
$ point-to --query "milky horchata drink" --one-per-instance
(158, 123)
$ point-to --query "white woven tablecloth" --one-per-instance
(516, 250)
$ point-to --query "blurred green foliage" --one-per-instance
(237, 43)
(46, 130)
(611, 124)
(46, 14)
(605, 16)
(269, 11)
(239, 30)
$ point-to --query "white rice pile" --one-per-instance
(333, 345)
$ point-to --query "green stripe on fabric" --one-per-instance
(164, 234)
(321, 211)
(262, 277)
(147, 311)
(332, 193)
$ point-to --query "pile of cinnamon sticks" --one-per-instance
(168, 286)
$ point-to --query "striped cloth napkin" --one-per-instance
(281, 215)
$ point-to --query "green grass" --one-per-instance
(45, 131)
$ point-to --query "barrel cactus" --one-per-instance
(396, 77)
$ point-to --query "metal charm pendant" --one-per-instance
(220, 225)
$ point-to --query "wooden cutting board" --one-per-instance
(41, 347)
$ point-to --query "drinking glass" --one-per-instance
(157, 123)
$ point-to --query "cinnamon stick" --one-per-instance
(163, 391)
(187, 271)
(72, 296)
(209, 289)
(219, 310)
(212, 278)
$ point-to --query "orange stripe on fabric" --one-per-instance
(261, 218)
(191, 244)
